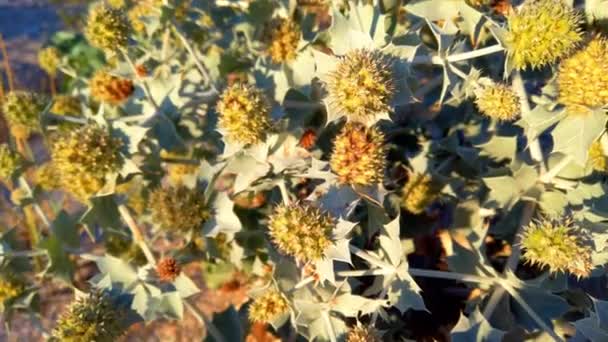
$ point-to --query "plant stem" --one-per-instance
(24, 184)
(548, 177)
(364, 273)
(143, 83)
(199, 65)
(371, 259)
(304, 282)
(136, 232)
(328, 326)
(417, 272)
(284, 193)
(23, 254)
(475, 53)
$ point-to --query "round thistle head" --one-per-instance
(47, 177)
(22, 110)
(499, 102)
(116, 3)
(268, 307)
(301, 231)
(541, 32)
(84, 157)
(168, 269)
(556, 245)
(583, 78)
(66, 105)
(49, 59)
(10, 161)
(283, 40)
(362, 85)
(363, 334)
(178, 208)
(359, 155)
(419, 192)
(597, 157)
(10, 287)
(91, 318)
(141, 10)
(109, 88)
(107, 28)
(244, 114)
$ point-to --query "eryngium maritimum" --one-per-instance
(178, 208)
(301, 231)
(541, 32)
(284, 38)
(268, 307)
(583, 78)
(168, 269)
(556, 245)
(91, 318)
(362, 85)
(363, 334)
(109, 88)
(22, 110)
(499, 102)
(10, 287)
(244, 114)
(419, 192)
(597, 157)
(359, 155)
(49, 59)
(107, 28)
(10, 161)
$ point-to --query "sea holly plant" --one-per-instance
(354, 167)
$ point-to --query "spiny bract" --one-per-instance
(244, 114)
(284, 38)
(362, 85)
(107, 28)
(109, 88)
(91, 318)
(301, 231)
(22, 110)
(597, 158)
(359, 155)
(168, 269)
(541, 32)
(49, 59)
(178, 208)
(268, 307)
(10, 161)
(498, 101)
(84, 157)
(556, 244)
(419, 192)
(583, 78)
(363, 334)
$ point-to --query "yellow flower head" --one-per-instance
(583, 78)
(10, 161)
(363, 334)
(268, 307)
(556, 245)
(244, 114)
(541, 32)
(92, 318)
(22, 111)
(10, 287)
(178, 208)
(499, 102)
(284, 38)
(419, 192)
(117, 3)
(597, 157)
(359, 155)
(66, 105)
(47, 177)
(49, 59)
(362, 85)
(142, 9)
(109, 88)
(84, 157)
(301, 231)
(107, 28)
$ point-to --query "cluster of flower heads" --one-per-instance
(179, 208)
(22, 112)
(107, 28)
(9, 161)
(498, 101)
(49, 59)
(268, 307)
(284, 38)
(110, 88)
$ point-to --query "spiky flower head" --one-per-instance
(244, 114)
(10, 161)
(178, 208)
(21, 110)
(49, 59)
(363, 334)
(109, 88)
(11, 287)
(107, 28)
(84, 157)
(283, 40)
(558, 245)
(47, 177)
(92, 318)
(362, 85)
(301, 231)
(498, 101)
(419, 192)
(541, 32)
(597, 157)
(117, 3)
(141, 10)
(359, 155)
(66, 105)
(268, 307)
(583, 78)
(168, 269)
